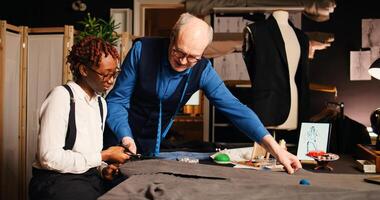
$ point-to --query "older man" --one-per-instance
(159, 76)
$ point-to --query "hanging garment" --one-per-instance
(267, 66)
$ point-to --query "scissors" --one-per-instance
(133, 156)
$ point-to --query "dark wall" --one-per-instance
(332, 65)
(51, 13)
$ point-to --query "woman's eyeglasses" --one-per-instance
(106, 77)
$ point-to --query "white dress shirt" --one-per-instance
(53, 120)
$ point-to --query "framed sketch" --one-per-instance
(359, 65)
(370, 33)
(313, 137)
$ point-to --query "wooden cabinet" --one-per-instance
(187, 128)
(221, 129)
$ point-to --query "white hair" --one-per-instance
(183, 20)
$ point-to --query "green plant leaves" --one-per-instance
(99, 28)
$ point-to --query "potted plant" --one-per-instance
(99, 28)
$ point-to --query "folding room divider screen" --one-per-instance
(32, 62)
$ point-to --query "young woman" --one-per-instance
(71, 164)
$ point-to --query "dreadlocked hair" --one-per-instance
(88, 52)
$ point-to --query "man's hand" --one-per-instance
(129, 144)
(290, 161)
(110, 171)
(115, 154)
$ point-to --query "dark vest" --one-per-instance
(269, 74)
(144, 108)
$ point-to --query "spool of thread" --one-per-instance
(282, 144)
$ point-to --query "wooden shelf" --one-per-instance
(228, 36)
(237, 83)
(188, 118)
(324, 88)
(226, 10)
(368, 152)
(189, 128)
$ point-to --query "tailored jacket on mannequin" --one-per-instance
(265, 57)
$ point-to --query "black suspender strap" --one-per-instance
(101, 110)
(71, 133)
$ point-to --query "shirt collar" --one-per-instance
(80, 93)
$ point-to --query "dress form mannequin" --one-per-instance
(276, 56)
(293, 52)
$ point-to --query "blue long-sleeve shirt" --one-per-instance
(118, 100)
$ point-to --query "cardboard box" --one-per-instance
(366, 166)
(368, 152)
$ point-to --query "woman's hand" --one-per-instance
(110, 171)
(115, 154)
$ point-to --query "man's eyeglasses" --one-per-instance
(180, 54)
(106, 77)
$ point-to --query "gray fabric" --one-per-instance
(165, 179)
(183, 154)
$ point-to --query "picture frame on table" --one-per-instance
(313, 137)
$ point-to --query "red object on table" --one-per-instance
(323, 159)
(315, 153)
